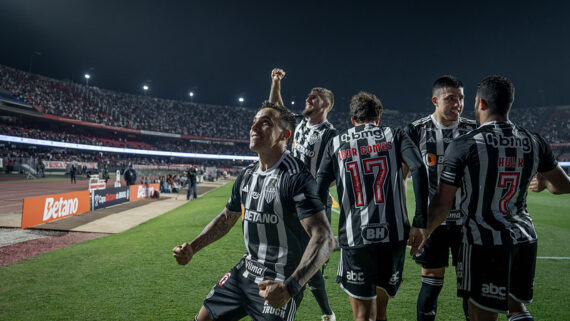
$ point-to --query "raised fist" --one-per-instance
(277, 74)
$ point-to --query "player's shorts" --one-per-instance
(236, 296)
(435, 253)
(488, 275)
(362, 270)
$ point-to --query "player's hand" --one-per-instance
(277, 74)
(274, 292)
(183, 253)
(418, 237)
(537, 184)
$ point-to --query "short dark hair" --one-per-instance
(326, 95)
(446, 81)
(286, 117)
(498, 92)
(365, 107)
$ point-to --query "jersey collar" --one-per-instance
(272, 168)
(440, 126)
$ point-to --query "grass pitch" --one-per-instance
(132, 275)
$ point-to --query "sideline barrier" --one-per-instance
(47, 208)
(139, 192)
(110, 196)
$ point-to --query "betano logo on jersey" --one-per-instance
(260, 218)
(432, 159)
(376, 133)
(303, 150)
(508, 141)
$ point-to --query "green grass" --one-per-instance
(132, 275)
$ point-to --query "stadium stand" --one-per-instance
(34, 106)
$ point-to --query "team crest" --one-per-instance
(313, 138)
(271, 190)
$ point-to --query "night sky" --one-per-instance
(225, 49)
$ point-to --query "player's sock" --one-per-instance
(466, 308)
(427, 299)
(522, 316)
(317, 286)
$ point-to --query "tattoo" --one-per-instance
(217, 228)
(318, 250)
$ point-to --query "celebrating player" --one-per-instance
(497, 161)
(432, 135)
(366, 162)
(285, 229)
(310, 139)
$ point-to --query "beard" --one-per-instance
(307, 112)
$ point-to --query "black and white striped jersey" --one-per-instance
(272, 203)
(495, 163)
(309, 143)
(432, 138)
(366, 162)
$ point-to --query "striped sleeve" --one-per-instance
(454, 162)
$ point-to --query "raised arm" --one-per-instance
(275, 94)
(321, 244)
(217, 228)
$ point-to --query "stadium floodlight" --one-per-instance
(241, 100)
(87, 77)
(145, 88)
(292, 103)
(191, 94)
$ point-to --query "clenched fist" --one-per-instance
(183, 253)
(277, 74)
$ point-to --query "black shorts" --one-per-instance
(488, 275)
(235, 296)
(362, 270)
(435, 253)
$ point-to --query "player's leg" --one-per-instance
(390, 265)
(195, 190)
(356, 277)
(381, 304)
(483, 278)
(362, 310)
(203, 315)
(227, 298)
(317, 287)
(433, 258)
(455, 237)
(432, 283)
(523, 264)
(477, 313)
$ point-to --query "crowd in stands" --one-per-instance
(106, 107)
(91, 104)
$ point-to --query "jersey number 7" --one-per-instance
(510, 181)
(357, 180)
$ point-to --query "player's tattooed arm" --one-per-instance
(277, 75)
(217, 228)
(319, 248)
